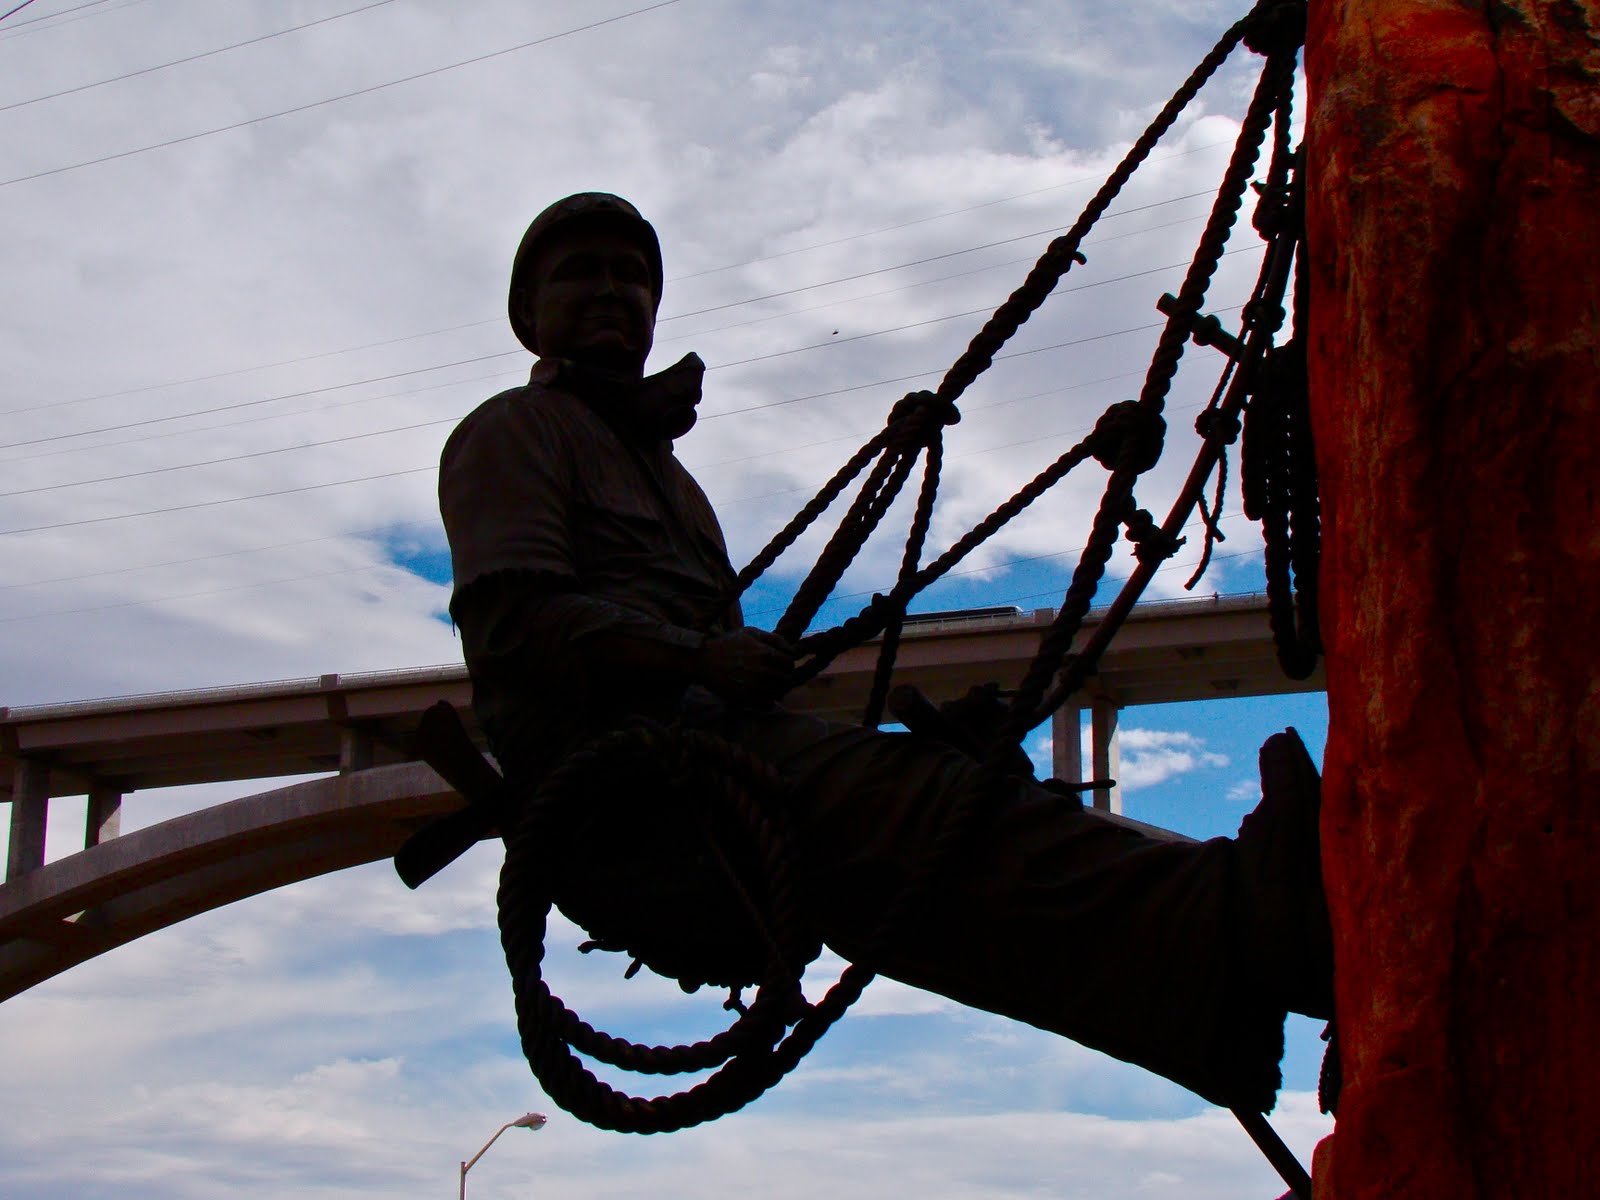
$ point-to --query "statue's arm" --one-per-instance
(517, 626)
(507, 491)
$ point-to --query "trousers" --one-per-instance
(1120, 936)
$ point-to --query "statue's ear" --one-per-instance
(520, 303)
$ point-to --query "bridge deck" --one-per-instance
(1181, 650)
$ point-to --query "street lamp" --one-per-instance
(526, 1121)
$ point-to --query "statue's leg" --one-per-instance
(1136, 943)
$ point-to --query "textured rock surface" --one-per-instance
(1455, 234)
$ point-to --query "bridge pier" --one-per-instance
(1066, 742)
(30, 806)
(1107, 752)
(1066, 748)
(103, 818)
(355, 750)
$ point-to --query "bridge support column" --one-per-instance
(1107, 752)
(1066, 743)
(30, 803)
(355, 751)
(103, 819)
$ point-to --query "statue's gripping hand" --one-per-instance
(749, 666)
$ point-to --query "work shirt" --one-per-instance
(567, 517)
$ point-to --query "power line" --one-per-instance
(987, 308)
(693, 467)
(231, 458)
(366, 91)
(424, 424)
(929, 374)
(857, 387)
(352, 437)
(498, 376)
(177, 62)
(952, 212)
(239, 587)
(672, 279)
(696, 467)
(917, 262)
(20, 30)
(434, 467)
(284, 362)
(156, 512)
(663, 320)
(375, 567)
(199, 558)
(968, 411)
(368, 567)
(19, 8)
(904, 287)
(201, 412)
(515, 353)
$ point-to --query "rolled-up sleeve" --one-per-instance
(506, 494)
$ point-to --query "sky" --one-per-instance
(254, 271)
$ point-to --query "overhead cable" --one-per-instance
(366, 91)
(177, 62)
(484, 358)
(496, 320)
(19, 8)
(150, 512)
(20, 28)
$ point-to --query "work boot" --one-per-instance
(1282, 907)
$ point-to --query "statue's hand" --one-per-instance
(746, 665)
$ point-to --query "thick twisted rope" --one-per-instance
(756, 1051)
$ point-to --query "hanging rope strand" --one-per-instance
(921, 520)
(803, 519)
(858, 525)
(1257, 340)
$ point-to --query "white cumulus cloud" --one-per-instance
(1152, 756)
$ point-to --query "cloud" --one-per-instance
(232, 363)
(1246, 791)
(1153, 756)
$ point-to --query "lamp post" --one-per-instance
(526, 1121)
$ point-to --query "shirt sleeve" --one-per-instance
(506, 494)
(514, 630)
(508, 491)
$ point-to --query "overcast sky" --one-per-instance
(254, 271)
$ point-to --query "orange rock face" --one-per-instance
(1455, 363)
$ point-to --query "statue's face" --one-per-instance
(591, 300)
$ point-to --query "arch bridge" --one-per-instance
(354, 731)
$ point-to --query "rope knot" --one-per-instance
(1277, 27)
(1218, 425)
(1129, 437)
(1151, 543)
(1277, 209)
(1061, 246)
(917, 418)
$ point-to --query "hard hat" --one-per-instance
(576, 211)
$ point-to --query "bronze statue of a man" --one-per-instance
(588, 570)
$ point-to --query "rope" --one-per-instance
(722, 787)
